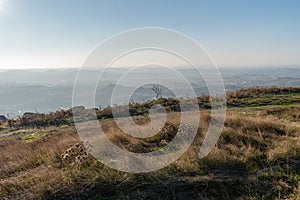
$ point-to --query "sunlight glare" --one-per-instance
(1, 4)
(2, 8)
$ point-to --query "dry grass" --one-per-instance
(255, 156)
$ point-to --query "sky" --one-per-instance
(62, 33)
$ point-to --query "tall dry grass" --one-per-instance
(252, 144)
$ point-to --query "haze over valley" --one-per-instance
(50, 90)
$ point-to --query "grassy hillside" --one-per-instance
(256, 157)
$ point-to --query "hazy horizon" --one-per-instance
(127, 67)
(45, 90)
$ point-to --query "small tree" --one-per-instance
(156, 88)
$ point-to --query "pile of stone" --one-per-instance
(77, 154)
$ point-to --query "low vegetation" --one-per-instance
(256, 157)
(251, 97)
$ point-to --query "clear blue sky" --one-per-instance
(61, 33)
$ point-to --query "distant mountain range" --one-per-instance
(48, 90)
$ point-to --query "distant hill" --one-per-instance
(49, 90)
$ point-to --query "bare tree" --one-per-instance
(156, 88)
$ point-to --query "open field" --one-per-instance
(256, 157)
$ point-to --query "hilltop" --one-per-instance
(256, 157)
